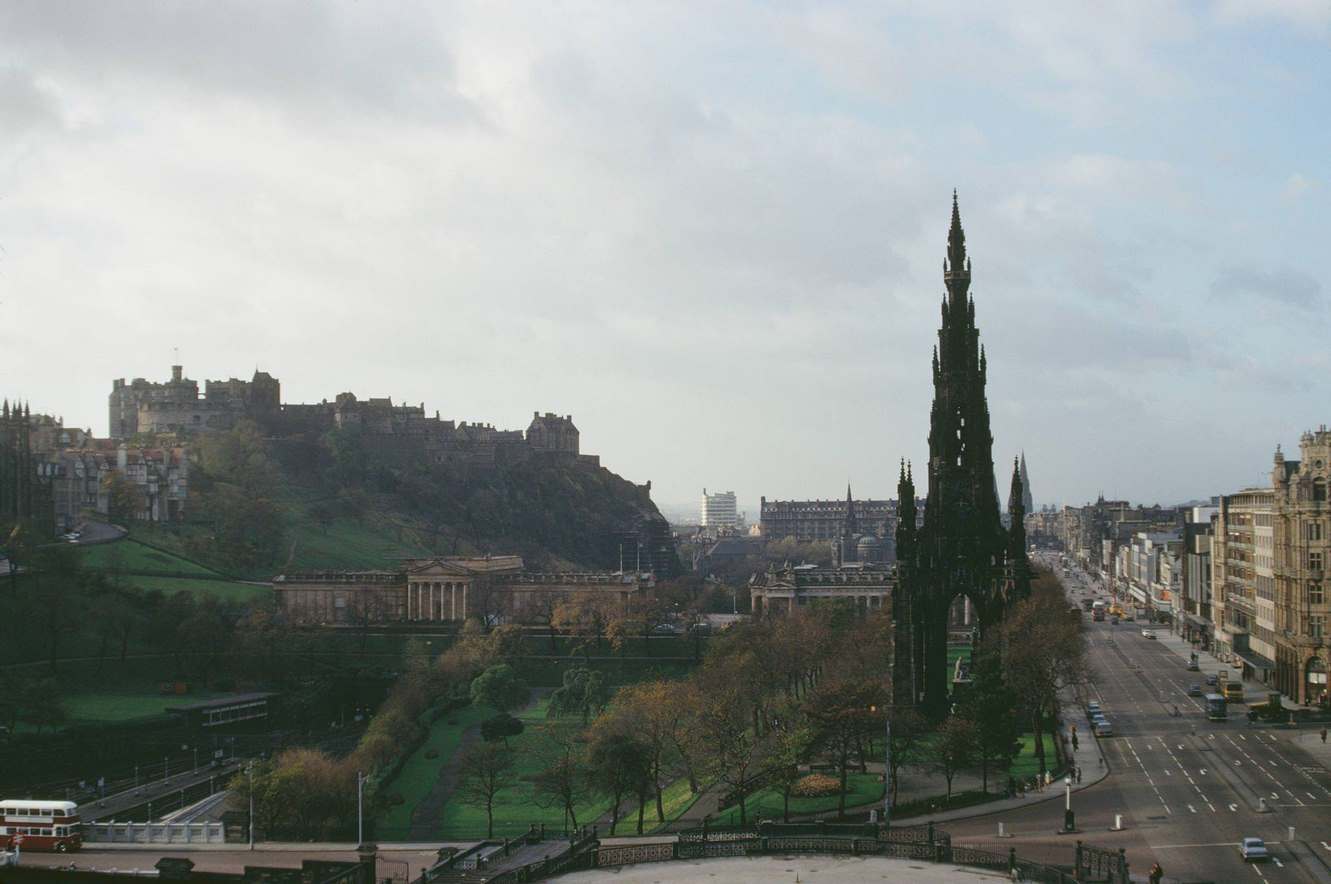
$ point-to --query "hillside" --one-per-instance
(262, 505)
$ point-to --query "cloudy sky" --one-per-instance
(713, 232)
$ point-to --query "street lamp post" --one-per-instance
(1069, 819)
(360, 816)
(249, 769)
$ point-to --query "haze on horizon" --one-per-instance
(715, 239)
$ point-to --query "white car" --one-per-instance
(1147, 633)
(1253, 850)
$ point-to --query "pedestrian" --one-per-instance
(1156, 873)
(1075, 744)
(1079, 774)
(1323, 735)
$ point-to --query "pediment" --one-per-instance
(437, 568)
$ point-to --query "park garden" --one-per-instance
(781, 718)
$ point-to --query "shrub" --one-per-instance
(431, 753)
(816, 785)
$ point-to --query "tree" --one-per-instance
(908, 730)
(735, 752)
(583, 693)
(619, 765)
(992, 705)
(953, 748)
(500, 727)
(1043, 651)
(793, 737)
(123, 500)
(483, 771)
(500, 688)
(842, 712)
(561, 783)
(645, 711)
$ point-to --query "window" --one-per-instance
(1316, 625)
(1319, 490)
(1314, 531)
(1315, 560)
(1316, 595)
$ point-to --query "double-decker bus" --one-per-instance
(1215, 707)
(1098, 611)
(40, 825)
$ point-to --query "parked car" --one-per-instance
(1194, 690)
(1253, 850)
(1212, 680)
(1103, 728)
(1092, 708)
(1193, 667)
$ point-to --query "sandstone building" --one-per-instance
(447, 590)
(779, 591)
(1302, 550)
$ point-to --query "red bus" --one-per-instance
(42, 825)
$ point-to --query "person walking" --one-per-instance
(1323, 735)
(1156, 873)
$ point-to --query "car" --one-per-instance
(1194, 690)
(1113, 621)
(1148, 633)
(1103, 728)
(1212, 680)
(1253, 850)
(1092, 708)
(1193, 667)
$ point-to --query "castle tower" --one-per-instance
(962, 547)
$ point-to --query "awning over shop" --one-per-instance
(1255, 660)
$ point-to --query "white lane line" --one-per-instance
(1276, 859)
(1327, 846)
(1311, 795)
(1191, 808)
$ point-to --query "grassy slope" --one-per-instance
(193, 577)
(130, 555)
(419, 773)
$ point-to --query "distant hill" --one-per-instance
(336, 500)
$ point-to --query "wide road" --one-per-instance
(1188, 789)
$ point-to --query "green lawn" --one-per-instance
(130, 555)
(766, 803)
(108, 707)
(419, 774)
(515, 808)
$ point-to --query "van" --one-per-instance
(1234, 691)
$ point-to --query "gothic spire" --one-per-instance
(956, 239)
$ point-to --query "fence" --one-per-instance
(920, 844)
(154, 833)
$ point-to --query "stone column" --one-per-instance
(452, 601)
(464, 599)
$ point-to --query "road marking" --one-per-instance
(1275, 794)
(1191, 808)
(1276, 859)
(1235, 809)
(1311, 795)
(1327, 846)
(1202, 771)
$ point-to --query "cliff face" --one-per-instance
(557, 512)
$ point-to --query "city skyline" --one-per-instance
(590, 215)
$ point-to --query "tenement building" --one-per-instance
(1243, 582)
(778, 591)
(447, 590)
(1302, 551)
